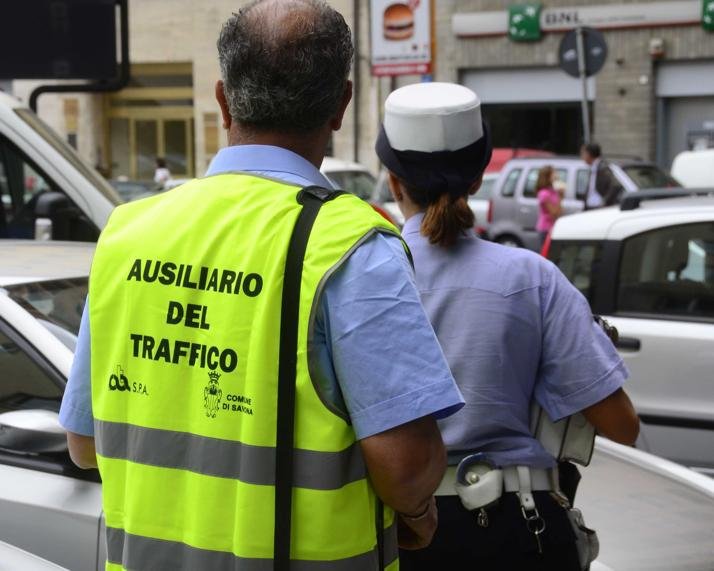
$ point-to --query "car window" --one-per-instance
(582, 183)
(576, 260)
(359, 183)
(669, 272)
(21, 184)
(649, 176)
(23, 383)
(509, 187)
(60, 302)
(530, 190)
(25, 184)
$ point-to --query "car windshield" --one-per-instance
(69, 154)
(359, 183)
(57, 304)
(649, 176)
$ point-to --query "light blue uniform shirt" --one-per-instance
(512, 327)
(376, 357)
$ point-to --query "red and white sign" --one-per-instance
(401, 37)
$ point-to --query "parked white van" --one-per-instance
(46, 190)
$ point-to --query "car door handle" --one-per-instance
(628, 344)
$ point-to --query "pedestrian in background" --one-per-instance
(514, 331)
(245, 393)
(603, 189)
(162, 174)
(549, 201)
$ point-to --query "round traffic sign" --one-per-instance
(595, 49)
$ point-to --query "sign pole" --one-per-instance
(584, 79)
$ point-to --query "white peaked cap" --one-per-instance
(432, 117)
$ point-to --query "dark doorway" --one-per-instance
(555, 127)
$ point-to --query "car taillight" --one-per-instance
(489, 216)
(546, 246)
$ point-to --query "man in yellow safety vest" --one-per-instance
(255, 377)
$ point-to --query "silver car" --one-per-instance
(514, 205)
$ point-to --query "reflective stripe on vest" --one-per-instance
(225, 458)
(184, 309)
(134, 551)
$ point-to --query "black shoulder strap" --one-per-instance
(312, 198)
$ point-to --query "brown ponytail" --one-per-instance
(447, 219)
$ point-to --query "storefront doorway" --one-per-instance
(152, 118)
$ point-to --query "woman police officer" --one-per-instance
(513, 329)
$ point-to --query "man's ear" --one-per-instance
(336, 122)
(395, 187)
(223, 104)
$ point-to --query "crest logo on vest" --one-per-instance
(212, 394)
(118, 381)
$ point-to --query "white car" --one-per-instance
(46, 189)
(648, 511)
(648, 267)
(14, 559)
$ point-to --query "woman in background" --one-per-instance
(549, 202)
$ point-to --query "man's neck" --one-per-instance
(311, 147)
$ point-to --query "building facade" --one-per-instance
(653, 98)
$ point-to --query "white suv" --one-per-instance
(648, 267)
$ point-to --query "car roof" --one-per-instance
(25, 261)
(331, 164)
(616, 496)
(595, 224)
(575, 160)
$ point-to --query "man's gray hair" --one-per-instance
(285, 64)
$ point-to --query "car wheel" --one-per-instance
(510, 241)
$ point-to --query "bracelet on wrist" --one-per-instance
(419, 516)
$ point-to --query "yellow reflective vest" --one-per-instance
(184, 306)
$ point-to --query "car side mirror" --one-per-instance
(32, 431)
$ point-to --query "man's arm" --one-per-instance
(406, 464)
(81, 450)
(615, 418)
(606, 185)
(76, 410)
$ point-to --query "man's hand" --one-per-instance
(417, 533)
(81, 450)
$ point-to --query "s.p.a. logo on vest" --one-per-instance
(212, 395)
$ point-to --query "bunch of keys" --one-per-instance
(535, 524)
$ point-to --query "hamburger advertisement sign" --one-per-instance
(401, 37)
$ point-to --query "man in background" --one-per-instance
(603, 189)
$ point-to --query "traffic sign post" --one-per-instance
(583, 53)
(582, 71)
